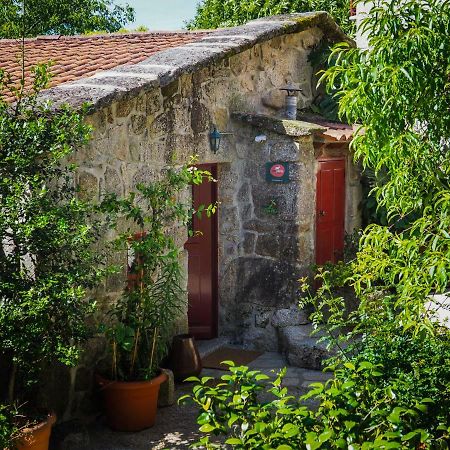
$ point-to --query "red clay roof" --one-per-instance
(77, 57)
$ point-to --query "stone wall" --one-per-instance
(263, 252)
(137, 135)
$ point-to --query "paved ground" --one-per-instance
(176, 426)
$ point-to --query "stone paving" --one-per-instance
(176, 426)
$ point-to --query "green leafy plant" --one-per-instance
(142, 321)
(271, 208)
(417, 364)
(351, 410)
(397, 90)
(47, 235)
(217, 13)
(28, 18)
(8, 425)
(324, 102)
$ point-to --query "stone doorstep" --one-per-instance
(278, 363)
(270, 363)
(302, 350)
(205, 347)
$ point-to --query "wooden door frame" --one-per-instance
(333, 158)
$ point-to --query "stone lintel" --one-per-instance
(286, 127)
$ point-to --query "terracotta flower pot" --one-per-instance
(130, 405)
(184, 360)
(36, 437)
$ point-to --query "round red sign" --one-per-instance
(277, 170)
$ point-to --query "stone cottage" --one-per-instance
(287, 189)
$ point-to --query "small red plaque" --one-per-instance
(277, 170)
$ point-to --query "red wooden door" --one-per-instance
(202, 263)
(330, 211)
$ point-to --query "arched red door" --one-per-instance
(330, 211)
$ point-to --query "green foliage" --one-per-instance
(417, 365)
(271, 208)
(324, 103)
(142, 321)
(8, 428)
(226, 13)
(47, 232)
(352, 410)
(139, 29)
(398, 91)
(28, 18)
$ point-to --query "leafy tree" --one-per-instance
(28, 18)
(225, 13)
(398, 90)
(48, 260)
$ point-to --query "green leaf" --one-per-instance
(193, 379)
(233, 441)
(207, 428)
(228, 363)
(233, 418)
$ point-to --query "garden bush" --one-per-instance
(48, 258)
(142, 322)
(8, 428)
(219, 13)
(351, 411)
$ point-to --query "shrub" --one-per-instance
(143, 320)
(48, 260)
(8, 428)
(217, 13)
(350, 411)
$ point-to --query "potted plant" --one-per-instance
(47, 260)
(143, 320)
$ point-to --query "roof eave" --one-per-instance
(164, 67)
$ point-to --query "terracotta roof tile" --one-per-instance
(335, 131)
(75, 57)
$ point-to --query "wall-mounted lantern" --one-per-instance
(291, 100)
(215, 137)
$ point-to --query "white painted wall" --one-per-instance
(440, 304)
(362, 9)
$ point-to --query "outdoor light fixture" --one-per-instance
(214, 139)
(291, 100)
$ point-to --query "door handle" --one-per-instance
(322, 213)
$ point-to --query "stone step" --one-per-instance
(207, 346)
(301, 349)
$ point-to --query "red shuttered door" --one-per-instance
(202, 263)
(330, 211)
